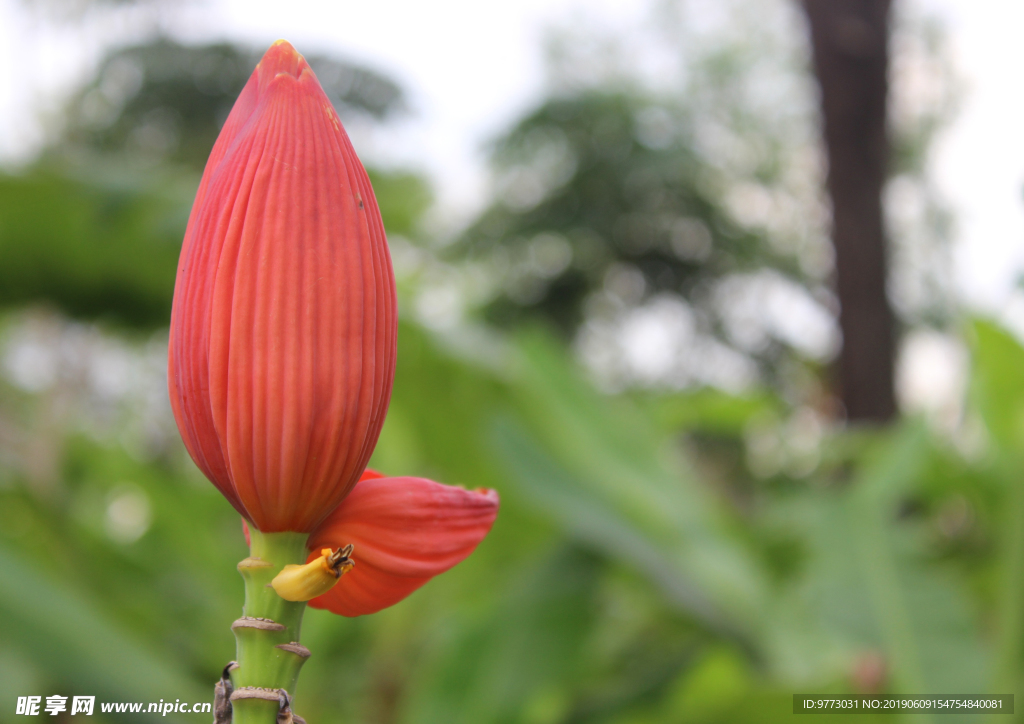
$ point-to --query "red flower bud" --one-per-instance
(283, 329)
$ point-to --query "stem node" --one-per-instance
(267, 635)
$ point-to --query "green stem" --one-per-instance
(267, 636)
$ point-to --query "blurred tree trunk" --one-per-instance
(850, 44)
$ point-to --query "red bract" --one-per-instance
(283, 330)
(405, 531)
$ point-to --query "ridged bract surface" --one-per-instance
(284, 325)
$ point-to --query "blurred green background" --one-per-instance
(690, 531)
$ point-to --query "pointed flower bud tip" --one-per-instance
(281, 58)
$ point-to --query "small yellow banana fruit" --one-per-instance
(303, 582)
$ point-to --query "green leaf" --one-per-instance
(612, 479)
(64, 632)
(520, 659)
(875, 586)
(998, 383)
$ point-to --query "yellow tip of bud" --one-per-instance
(304, 582)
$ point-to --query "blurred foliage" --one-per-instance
(95, 225)
(165, 102)
(621, 583)
(688, 556)
(626, 187)
(106, 246)
(94, 249)
(599, 179)
(700, 181)
(925, 94)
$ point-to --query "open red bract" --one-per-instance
(405, 532)
(284, 325)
